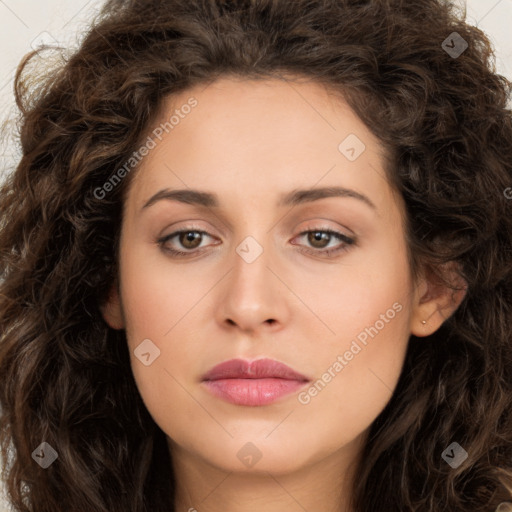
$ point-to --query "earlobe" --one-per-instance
(111, 310)
(436, 300)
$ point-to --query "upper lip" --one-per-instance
(258, 369)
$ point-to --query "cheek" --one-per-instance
(358, 363)
(356, 376)
(159, 305)
(156, 295)
(366, 297)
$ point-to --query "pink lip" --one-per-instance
(260, 382)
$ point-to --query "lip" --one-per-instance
(255, 383)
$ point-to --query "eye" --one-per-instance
(320, 238)
(188, 238)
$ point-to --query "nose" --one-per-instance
(253, 296)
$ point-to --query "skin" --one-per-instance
(249, 142)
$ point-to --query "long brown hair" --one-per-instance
(440, 110)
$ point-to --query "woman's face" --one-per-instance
(259, 164)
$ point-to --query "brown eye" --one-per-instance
(319, 239)
(318, 242)
(190, 239)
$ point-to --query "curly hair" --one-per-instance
(443, 119)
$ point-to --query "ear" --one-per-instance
(112, 310)
(435, 300)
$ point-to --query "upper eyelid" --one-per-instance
(334, 232)
(313, 222)
(343, 231)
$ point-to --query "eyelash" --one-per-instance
(347, 242)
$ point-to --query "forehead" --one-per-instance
(260, 135)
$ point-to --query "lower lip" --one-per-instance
(252, 391)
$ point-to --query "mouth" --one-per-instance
(259, 383)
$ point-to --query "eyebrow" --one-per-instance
(293, 198)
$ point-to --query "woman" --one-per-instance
(256, 256)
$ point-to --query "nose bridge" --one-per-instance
(250, 273)
(252, 294)
(255, 246)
